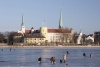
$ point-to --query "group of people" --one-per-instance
(10, 49)
(52, 59)
(85, 55)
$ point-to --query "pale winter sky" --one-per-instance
(75, 14)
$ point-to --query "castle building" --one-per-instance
(44, 34)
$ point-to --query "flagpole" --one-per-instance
(43, 23)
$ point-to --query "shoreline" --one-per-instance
(49, 46)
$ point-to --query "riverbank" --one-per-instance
(49, 46)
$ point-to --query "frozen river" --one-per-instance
(27, 57)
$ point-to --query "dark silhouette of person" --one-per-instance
(84, 54)
(10, 49)
(91, 55)
(51, 59)
(14, 49)
(67, 52)
(54, 60)
(60, 61)
(40, 60)
(2, 49)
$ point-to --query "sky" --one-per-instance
(76, 14)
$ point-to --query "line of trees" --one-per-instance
(7, 37)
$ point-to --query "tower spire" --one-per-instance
(22, 25)
(22, 20)
(60, 20)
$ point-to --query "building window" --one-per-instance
(31, 42)
(35, 39)
(40, 38)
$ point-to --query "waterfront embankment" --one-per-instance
(49, 46)
(4, 45)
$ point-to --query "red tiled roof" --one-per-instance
(59, 30)
(27, 31)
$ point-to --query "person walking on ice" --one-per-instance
(84, 55)
(91, 55)
(64, 58)
(67, 52)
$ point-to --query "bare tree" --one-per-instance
(65, 35)
(75, 36)
(11, 38)
(1, 38)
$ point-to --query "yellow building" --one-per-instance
(34, 39)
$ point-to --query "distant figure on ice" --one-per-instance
(67, 52)
(84, 54)
(14, 49)
(2, 49)
(60, 61)
(64, 58)
(10, 49)
(52, 59)
(39, 60)
(91, 55)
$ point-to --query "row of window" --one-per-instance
(54, 34)
(34, 39)
(32, 42)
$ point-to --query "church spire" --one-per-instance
(22, 25)
(22, 21)
(60, 20)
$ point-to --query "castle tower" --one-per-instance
(22, 25)
(44, 32)
(60, 20)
